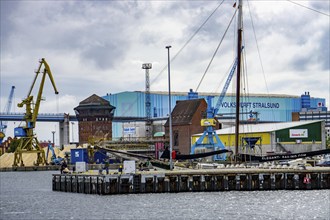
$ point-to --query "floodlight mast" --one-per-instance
(147, 67)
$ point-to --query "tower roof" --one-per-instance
(95, 100)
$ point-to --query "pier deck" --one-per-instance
(194, 181)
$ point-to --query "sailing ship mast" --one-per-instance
(238, 75)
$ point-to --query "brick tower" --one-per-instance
(95, 116)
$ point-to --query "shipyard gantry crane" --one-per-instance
(28, 142)
(212, 139)
(3, 124)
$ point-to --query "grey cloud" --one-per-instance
(105, 55)
(76, 26)
(324, 53)
(6, 10)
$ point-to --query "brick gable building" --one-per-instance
(94, 116)
(186, 121)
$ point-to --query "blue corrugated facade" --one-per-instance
(276, 108)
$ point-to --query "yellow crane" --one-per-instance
(28, 142)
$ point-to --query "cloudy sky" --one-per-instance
(98, 47)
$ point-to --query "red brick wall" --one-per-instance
(186, 131)
(98, 129)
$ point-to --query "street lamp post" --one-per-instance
(72, 123)
(53, 138)
(169, 103)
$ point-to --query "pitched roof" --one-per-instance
(95, 101)
(184, 111)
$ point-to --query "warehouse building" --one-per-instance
(268, 118)
(285, 137)
(258, 108)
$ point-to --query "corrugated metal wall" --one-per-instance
(314, 133)
(277, 109)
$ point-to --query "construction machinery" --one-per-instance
(213, 141)
(54, 159)
(28, 142)
(3, 124)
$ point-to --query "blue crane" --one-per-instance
(3, 124)
(212, 139)
(54, 159)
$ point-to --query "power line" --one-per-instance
(312, 9)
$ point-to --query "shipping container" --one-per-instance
(19, 132)
(79, 155)
(99, 157)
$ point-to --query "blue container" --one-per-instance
(19, 132)
(99, 157)
(79, 155)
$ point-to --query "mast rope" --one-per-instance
(259, 56)
(188, 41)
(216, 50)
(312, 9)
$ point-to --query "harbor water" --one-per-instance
(29, 195)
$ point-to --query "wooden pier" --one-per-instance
(194, 181)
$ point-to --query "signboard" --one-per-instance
(298, 133)
(129, 130)
(129, 166)
(81, 167)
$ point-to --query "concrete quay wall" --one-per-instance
(193, 181)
